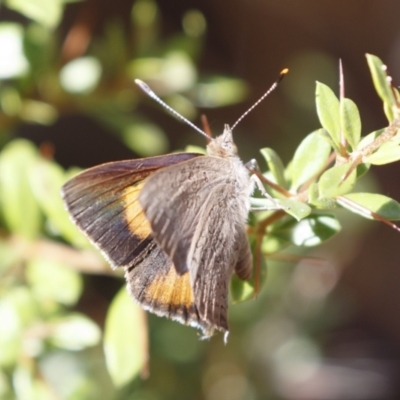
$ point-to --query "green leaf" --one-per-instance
(81, 75)
(275, 165)
(313, 193)
(322, 133)
(220, 91)
(28, 386)
(260, 204)
(125, 339)
(145, 138)
(296, 209)
(310, 231)
(328, 111)
(371, 202)
(368, 139)
(195, 149)
(241, 290)
(10, 256)
(144, 13)
(40, 49)
(5, 387)
(24, 305)
(194, 23)
(38, 112)
(350, 122)
(19, 309)
(331, 183)
(20, 209)
(46, 179)
(309, 159)
(10, 99)
(272, 244)
(53, 281)
(46, 12)
(389, 152)
(362, 169)
(382, 85)
(13, 62)
(74, 332)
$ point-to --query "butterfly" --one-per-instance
(175, 223)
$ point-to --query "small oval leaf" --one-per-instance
(368, 139)
(125, 339)
(389, 152)
(377, 203)
(350, 122)
(46, 179)
(328, 111)
(20, 209)
(220, 91)
(45, 12)
(296, 209)
(310, 231)
(382, 85)
(241, 290)
(275, 165)
(309, 159)
(53, 281)
(74, 332)
(331, 183)
(145, 138)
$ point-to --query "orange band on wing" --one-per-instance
(134, 214)
(172, 289)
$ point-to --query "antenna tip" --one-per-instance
(138, 82)
(143, 86)
(284, 72)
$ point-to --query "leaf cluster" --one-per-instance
(323, 173)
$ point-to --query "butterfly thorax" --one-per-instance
(223, 146)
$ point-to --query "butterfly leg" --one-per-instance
(253, 167)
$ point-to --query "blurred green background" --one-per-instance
(325, 325)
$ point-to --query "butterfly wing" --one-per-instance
(103, 203)
(193, 220)
(172, 199)
(156, 285)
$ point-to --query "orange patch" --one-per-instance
(134, 214)
(172, 289)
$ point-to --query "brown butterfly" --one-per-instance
(176, 224)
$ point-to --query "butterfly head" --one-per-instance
(223, 145)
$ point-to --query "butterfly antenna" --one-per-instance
(150, 93)
(272, 88)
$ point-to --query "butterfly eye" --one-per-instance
(230, 147)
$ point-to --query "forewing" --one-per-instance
(172, 199)
(103, 202)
